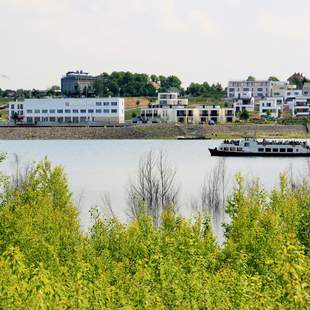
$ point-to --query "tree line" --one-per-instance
(155, 261)
(127, 84)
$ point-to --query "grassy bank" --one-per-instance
(156, 131)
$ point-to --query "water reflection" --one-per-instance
(97, 167)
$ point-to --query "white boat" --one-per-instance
(268, 148)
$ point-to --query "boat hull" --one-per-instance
(216, 152)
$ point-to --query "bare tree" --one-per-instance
(213, 197)
(154, 188)
(21, 172)
(213, 193)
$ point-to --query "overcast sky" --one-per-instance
(197, 40)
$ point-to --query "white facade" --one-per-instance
(244, 104)
(68, 110)
(278, 89)
(170, 99)
(271, 106)
(300, 107)
(198, 115)
(257, 89)
(306, 89)
(292, 94)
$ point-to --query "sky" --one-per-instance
(197, 40)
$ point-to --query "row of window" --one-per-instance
(276, 150)
(74, 111)
(99, 104)
(53, 119)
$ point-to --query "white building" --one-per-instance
(68, 110)
(244, 104)
(197, 115)
(271, 106)
(292, 94)
(300, 107)
(170, 99)
(278, 89)
(306, 89)
(256, 89)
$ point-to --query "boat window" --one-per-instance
(290, 150)
(239, 149)
(232, 149)
(268, 150)
(275, 150)
(225, 148)
(261, 150)
(282, 150)
(246, 144)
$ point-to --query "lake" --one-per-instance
(97, 167)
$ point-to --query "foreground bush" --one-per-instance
(47, 262)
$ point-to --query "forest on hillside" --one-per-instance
(158, 260)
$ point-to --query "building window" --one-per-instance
(90, 111)
(60, 111)
(68, 111)
(52, 119)
(114, 111)
(67, 119)
(114, 104)
(52, 111)
(106, 111)
(60, 119)
(12, 106)
(83, 111)
(98, 111)
(44, 111)
(29, 111)
(36, 111)
(106, 103)
(75, 111)
(98, 104)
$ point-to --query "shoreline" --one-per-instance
(156, 131)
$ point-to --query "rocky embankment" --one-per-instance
(156, 131)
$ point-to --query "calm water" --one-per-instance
(96, 167)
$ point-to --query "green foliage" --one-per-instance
(273, 78)
(251, 78)
(47, 262)
(244, 115)
(205, 90)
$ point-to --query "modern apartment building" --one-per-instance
(278, 89)
(257, 89)
(184, 115)
(300, 107)
(75, 83)
(271, 107)
(170, 99)
(68, 110)
(292, 94)
(244, 104)
(306, 89)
